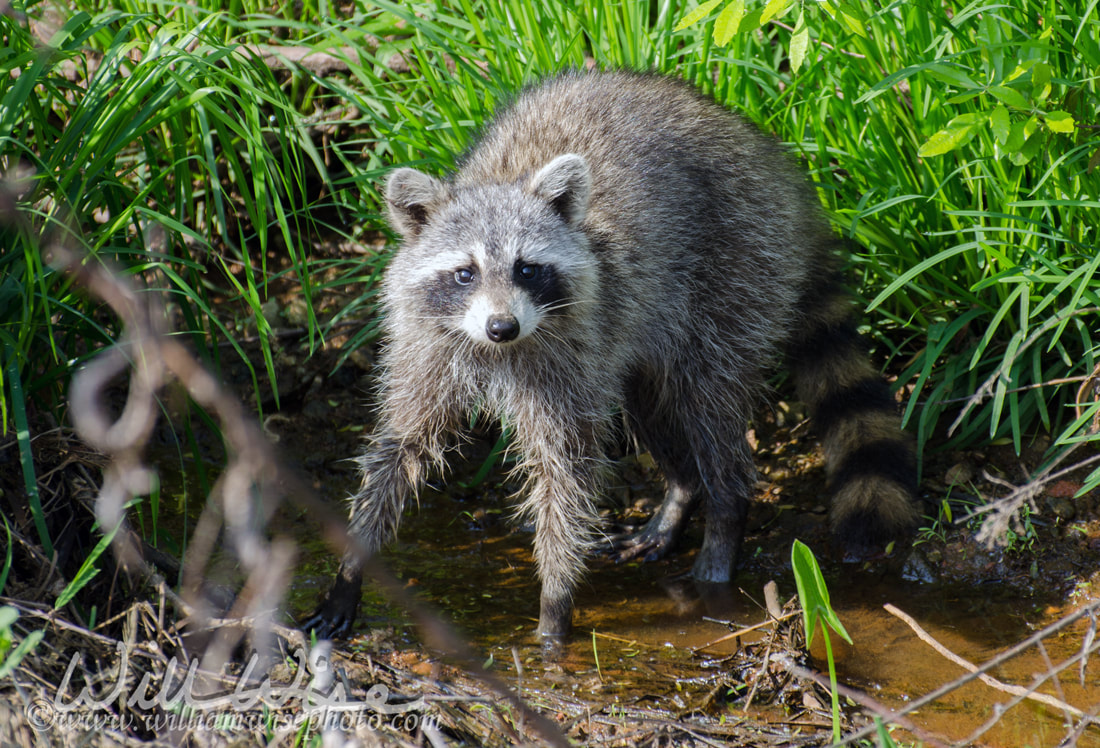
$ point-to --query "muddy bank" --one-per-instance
(651, 661)
(642, 629)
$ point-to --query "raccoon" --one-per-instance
(617, 244)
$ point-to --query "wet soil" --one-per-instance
(646, 635)
(647, 640)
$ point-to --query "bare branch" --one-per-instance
(981, 672)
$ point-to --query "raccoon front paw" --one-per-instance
(335, 616)
(555, 623)
(330, 621)
(553, 647)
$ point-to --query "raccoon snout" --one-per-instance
(502, 329)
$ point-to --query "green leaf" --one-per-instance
(949, 74)
(853, 18)
(934, 69)
(813, 593)
(965, 96)
(1024, 141)
(884, 737)
(799, 41)
(12, 661)
(88, 570)
(943, 141)
(23, 438)
(6, 569)
(1021, 69)
(1010, 96)
(958, 132)
(937, 259)
(1000, 123)
(751, 21)
(1090, 484)
(697, 15)
(728, 22)
(1016, 137)
(1059, 121)
(1041, 74)
(774, 9)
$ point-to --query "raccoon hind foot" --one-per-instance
(661, 532)
(651, 543)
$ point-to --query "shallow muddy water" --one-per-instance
(641, 629)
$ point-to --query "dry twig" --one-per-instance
(983, 676)
(1008, 654)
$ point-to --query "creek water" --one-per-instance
(637, 625)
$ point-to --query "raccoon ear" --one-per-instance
(565, 183)
(411, 196)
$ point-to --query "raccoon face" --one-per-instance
(501, 305)
(492, 262)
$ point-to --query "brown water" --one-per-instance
(640, 623)
(637, 624)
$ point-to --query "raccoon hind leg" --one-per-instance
(658, 433)
(727, 473)
(704, 462)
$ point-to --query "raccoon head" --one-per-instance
(492, 261)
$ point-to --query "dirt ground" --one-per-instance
(655, 660)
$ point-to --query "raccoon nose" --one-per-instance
(502, 329)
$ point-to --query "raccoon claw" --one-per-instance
(648, 544)
(335, 616)
(325, 624)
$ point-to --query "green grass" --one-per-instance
(187, 161)
(956, 145)
(936, 140)
(156, 146)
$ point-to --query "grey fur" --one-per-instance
(687, 255)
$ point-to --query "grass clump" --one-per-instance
(957, 144)
(168, 153)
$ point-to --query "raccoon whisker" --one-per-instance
(543, 332)
(563, 305)
(460, 338)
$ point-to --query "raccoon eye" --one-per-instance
(464, 276)
(528, 272)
